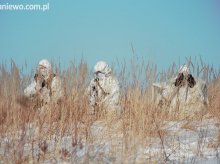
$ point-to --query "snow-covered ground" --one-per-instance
(197, 142)
(194, 142)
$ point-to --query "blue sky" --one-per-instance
(161, 31)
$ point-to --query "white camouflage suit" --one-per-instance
(46, 86)
(191, 95)
(104, 89)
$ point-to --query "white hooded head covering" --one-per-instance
(44, 68)
(102, 67)
(184, 69)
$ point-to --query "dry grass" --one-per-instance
(140, 117)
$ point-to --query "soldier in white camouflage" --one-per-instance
(184, 93)
(104, 89)
(46, 87)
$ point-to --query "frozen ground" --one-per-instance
(195, 142)
(192, 143)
